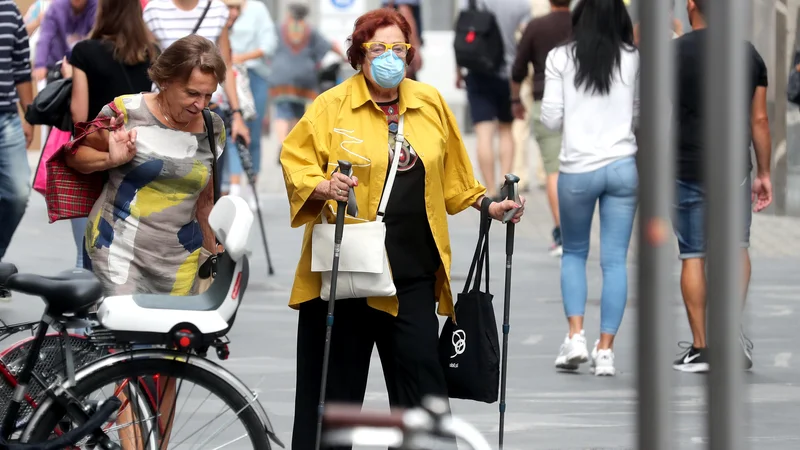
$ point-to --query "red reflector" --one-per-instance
(470, 37)
(184, 342)
(235, 292)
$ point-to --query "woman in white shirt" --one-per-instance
(591, 92)
(253, 41)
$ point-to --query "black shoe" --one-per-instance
(694, 360)
(5, 294)
(747, 346)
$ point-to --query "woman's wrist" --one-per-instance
(321, 191)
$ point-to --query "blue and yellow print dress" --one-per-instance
(143, 235)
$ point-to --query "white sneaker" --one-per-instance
(602, 362)
(250, 197)
(573, 352)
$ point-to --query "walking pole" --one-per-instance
(510, 191)
(247, 165)
(347, 169)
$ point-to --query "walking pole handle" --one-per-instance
(346, 167)
(510, 190)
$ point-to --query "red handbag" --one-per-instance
(70, 194)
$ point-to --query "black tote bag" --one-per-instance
(469, 350)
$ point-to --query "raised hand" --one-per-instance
(121, 143)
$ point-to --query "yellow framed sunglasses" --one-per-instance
(378, 48)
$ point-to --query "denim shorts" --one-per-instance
(289, 110)
(689, 217)
(489, 98)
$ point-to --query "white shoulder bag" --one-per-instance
(363, 265)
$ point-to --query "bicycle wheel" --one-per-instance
(154, 376)
(49, 365)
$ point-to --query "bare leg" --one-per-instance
(693, 288)
(606, 341)
(552, 197)
(484, 131)
(575, 325)
(282, 128)
(506, 141)
(130, 434)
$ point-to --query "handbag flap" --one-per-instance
(362, 250)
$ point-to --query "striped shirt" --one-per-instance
(168, 23)
(15, 64)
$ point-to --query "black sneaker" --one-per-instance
(747, 346)
(693, 360)
(5, 294)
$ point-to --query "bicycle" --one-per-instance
(428, 426)
(176, 333)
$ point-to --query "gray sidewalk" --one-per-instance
(546, 409)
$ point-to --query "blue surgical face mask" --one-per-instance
(388, 70)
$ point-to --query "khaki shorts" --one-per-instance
(549, 140)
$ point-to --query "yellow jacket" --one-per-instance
(344, 123)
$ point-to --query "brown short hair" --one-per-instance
(178, 61)
(367, 25)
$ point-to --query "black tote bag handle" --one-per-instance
(481, 255)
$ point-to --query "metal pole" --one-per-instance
(656, 283)
(780, 105)
(726, 144)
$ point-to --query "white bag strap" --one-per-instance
(387, 190)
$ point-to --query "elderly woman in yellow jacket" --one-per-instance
(354, 121)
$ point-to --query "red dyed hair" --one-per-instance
(367, 25)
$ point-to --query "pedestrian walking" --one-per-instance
(591, 94)
(690, 194)
(431, 177)
(170, 20)
(65, 23)
(488, 92)
(253, 42)
(301, 48)
(15, 134)
(542, 35)
(112, 61)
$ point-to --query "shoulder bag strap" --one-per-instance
(210, 133)
(387, 189)
(202, 17)
(481, 250)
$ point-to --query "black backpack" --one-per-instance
(478, 44)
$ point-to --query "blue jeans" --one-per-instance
(259, 87)
(615, 186)
(688, 219)
(78, 232)
(15, 174)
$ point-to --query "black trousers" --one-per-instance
(407, 345)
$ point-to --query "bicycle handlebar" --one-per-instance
(69, 439)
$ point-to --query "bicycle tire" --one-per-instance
(49, 414)
(49, 365)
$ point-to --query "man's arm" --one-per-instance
(519, 70)
(759, 126)
(238, 127)
(21, 72)
(47, 32)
